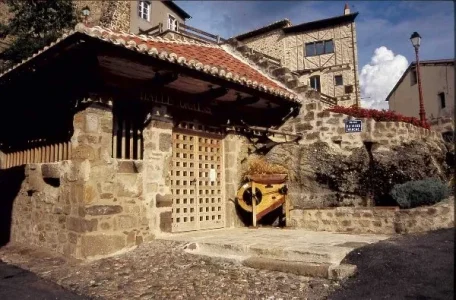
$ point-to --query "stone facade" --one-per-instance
(380, 220)
(236, 152)
(290, 49)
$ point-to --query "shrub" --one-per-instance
(259, 166)
(421, 192)
(377, 115)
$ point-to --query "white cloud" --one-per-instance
(378, 77)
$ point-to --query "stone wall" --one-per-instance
(316, 124)
(329, 167)
(380, 220)
(111, 14)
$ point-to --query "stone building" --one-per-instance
(322, 53)
(437, 80)
(131, 142)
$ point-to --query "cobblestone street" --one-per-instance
(161, 270)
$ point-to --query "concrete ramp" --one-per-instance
(303, 252)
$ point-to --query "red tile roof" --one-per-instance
(208, 58)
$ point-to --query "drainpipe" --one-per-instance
(355, 68)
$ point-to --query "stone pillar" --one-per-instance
(157, 167)
(108, 211)
(236, 152)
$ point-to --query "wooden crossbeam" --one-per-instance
(162, 79)
(210, 95)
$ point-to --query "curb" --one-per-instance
(320, 270)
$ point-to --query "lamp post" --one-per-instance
(86, 13)
(416, 41)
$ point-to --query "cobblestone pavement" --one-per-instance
(161, 270)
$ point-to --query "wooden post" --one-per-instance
(114, 137)
(254, 215)
(123, 144)
(60, 151)
(69, 150)
(48, 154)
(65, 151)
(138, 144)
(130, 136)
(51, 153)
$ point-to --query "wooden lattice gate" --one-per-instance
(197, 182)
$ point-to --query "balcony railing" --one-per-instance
(185, 30)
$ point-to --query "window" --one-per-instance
(338, 80)
(315, 83)
(172, 23)
(413, 77)
(319, 48)
(348, 89)
(144, 10)
(442, 100)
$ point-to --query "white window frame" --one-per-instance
(144, 10)
(172, 18)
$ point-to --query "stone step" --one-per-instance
(311, 254)
(315, 254)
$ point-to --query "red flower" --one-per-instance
(378, 115)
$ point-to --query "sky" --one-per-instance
(383, 31)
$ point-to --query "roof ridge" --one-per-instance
(86, 29)
(286, 20)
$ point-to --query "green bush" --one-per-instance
(421, 192)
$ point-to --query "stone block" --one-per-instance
(310, 116)
(152, 187)
(127, 222)
(324, 114)
(333, 121)
(303, 127)
(161, 124)
(106, 124)
(81, 225)
(164, 200)
(129, 185)
(164, 142)
(129, 167)
(103, 210)
(98, 245)
(106, 196)
(90, 194)
(311, 106)
(50, 170)
(165, 221)
(83, 152)
(91, 123)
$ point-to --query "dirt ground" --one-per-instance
(419, 266)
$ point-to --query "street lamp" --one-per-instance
(416, 41)
(86, 13)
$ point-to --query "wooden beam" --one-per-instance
(162, 79)
(210, 95)
(246, 101)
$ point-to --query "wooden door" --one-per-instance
(197, 183)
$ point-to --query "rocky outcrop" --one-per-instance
(329, 167)
(322, 177)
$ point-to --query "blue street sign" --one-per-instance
(353, 126)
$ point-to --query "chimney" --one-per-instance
(346, 9)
